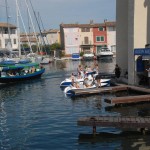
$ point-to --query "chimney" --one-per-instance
(91, 21)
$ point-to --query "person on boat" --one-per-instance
(79, 75)
(82, 73)
(33, 69)
(98, 76)
(79, 68)
(86, 83)
(89, 69)
(72, 77)
(96, 68)
(10, 74)
(75, 84)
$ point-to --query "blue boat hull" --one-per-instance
(10, 79)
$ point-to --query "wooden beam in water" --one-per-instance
(128, 99)
(115, 121)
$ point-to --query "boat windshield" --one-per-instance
(105, 50)
(87, 52)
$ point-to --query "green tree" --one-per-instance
(24, 46)
(55, 46)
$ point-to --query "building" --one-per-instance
(133, 32)
(70, 38)
(51, 36)
(8, 36)
(29, 39)
(76, 38)
(111, 35)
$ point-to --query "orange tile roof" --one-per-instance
(2, 24)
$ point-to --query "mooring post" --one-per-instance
(94, 129)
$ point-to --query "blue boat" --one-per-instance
(75, 56)
(20, 72)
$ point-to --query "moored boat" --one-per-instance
(104, 52)
(20, 72)
(69, 90)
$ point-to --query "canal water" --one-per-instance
(36, 115)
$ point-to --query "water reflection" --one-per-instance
(4, 140)
(37, 115)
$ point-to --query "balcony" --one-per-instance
(86, 43)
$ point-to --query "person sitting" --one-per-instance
(10, 74)
(72, 77)
(79, 75)
(86, 83)
(75, 84)
(33, 69)
(89, 69)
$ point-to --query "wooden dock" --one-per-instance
(81, 92)
(117, 101)
(111, 89)
(128, 99)
(116, 121)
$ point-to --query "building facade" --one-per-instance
(132, 32)
(51, 36)
(99, 37)
(29, 39)
(8, 36)
(87, 37)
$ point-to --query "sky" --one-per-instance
(55, 12)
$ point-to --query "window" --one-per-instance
(7, 42)
(101, 29)
(5, 31)
(85, 29)
(14, 41)
(100, 39)
(111, 28)
(86, 40)
(13, 31)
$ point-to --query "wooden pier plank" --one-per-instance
(80, 92)
(115, 121)
(130, 99)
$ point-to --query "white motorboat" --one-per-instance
(88, 55)
(104, 52)
(69, 90)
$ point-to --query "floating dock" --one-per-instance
(141, 123)
(144, 97)
(83, 92)
(128, 99)
(111, 89)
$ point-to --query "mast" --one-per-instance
(18, 28)
(30, 18)
(8, 26)
(43, 27)
(38, 24)
(24, 27)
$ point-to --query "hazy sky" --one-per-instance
(55, 12)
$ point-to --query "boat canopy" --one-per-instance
(18, 66)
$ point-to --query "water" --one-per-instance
(36, 115)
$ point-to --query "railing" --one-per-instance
(86, 43)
